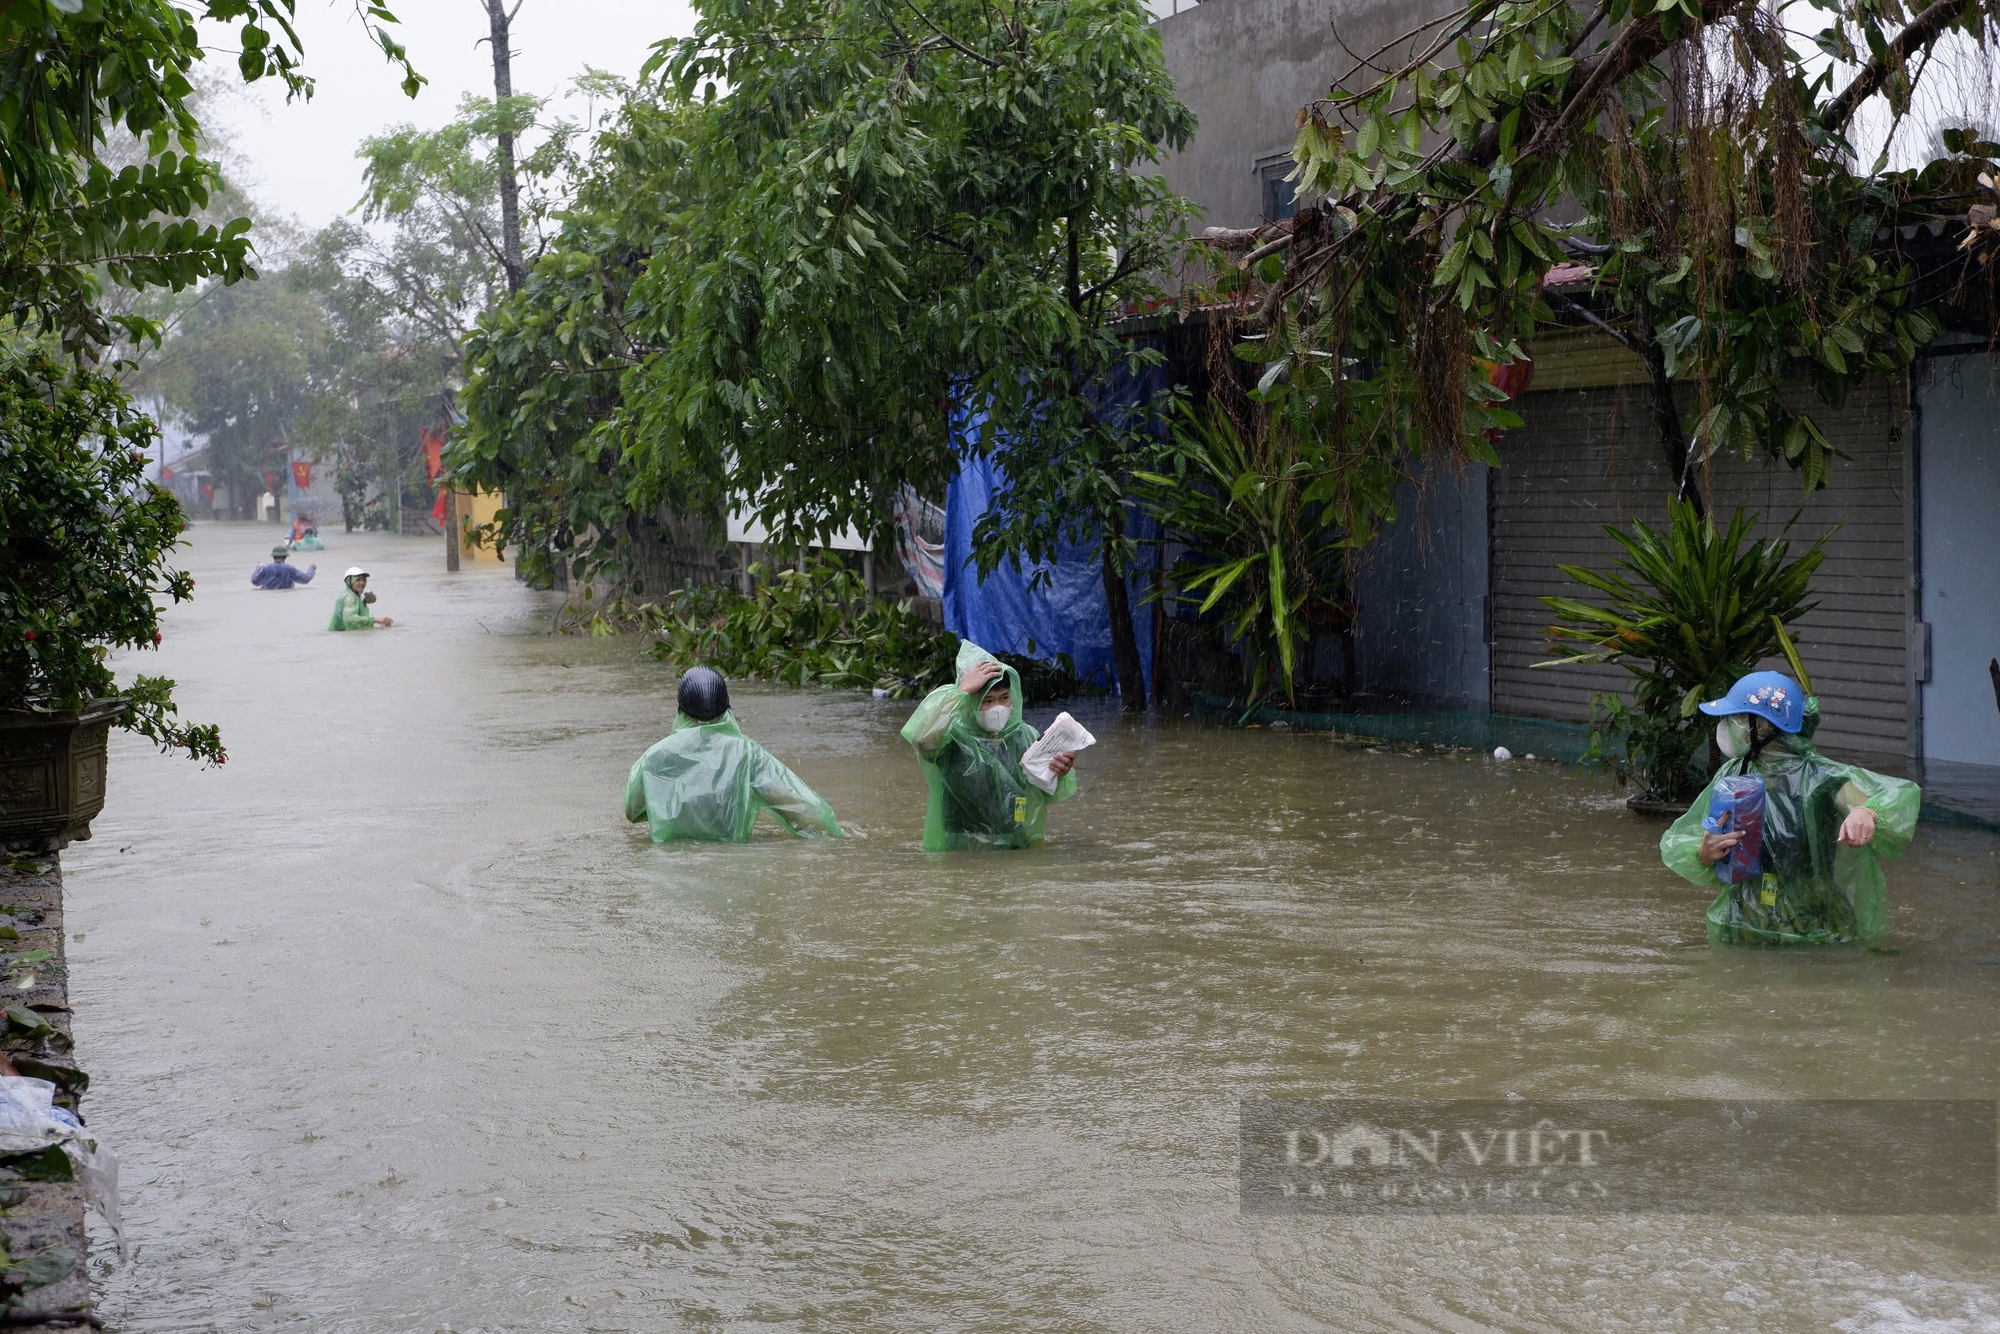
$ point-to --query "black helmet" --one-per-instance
(704, 694)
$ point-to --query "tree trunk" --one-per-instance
(1124, 643)
(1117, 601)
(501, 22)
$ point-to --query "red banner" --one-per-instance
(437, 510)
(270, 480)
(302, 476)
(433, 452)
(166, 473)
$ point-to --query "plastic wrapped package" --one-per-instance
(1065, 736)
(708, 781)
(1809, 890)
(980, 796)
(1736, 806)
(30, 1120)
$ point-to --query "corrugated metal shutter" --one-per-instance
(1588, 457)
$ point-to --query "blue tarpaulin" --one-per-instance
(1067, 613)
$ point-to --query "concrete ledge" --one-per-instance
(1477, 731)
(36, 1216)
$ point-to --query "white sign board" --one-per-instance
(743, 527)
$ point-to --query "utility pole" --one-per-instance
(450, 530)
(501, 21)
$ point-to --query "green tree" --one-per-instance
(896, 211)
(446, 258)
(1736, 245)
(73, 72)
(544, 396)
(88, 542)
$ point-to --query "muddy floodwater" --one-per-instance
(398, 1026)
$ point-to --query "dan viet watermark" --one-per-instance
(1465, 1156)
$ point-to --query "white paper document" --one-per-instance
(1065, 736)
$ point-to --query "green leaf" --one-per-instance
(49, 1164)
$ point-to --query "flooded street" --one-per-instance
(398, 1026)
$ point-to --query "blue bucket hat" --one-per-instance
(1773, 696)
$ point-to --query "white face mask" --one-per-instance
(994, 716)
(1732, 737)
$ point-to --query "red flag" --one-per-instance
(208, 490)
(166, 473)
(302, 476)
(433, 451)
(437, 510)
(270, 480)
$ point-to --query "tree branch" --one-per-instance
(1579, 308)
(1918, 35)
(951, 41)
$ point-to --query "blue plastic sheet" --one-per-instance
(1067, 613)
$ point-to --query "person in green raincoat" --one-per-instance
(1827, 827)
(706, 780)
(351, 609)
(969, 738)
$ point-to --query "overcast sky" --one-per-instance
(299, 158)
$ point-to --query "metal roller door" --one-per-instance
(1589, 456)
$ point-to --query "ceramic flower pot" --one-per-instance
(52, 769)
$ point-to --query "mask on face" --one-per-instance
(1732, 737)
(994, 717)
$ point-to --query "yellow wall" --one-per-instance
(475, 510)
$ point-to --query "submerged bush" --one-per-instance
(801, 627)
(816, 626)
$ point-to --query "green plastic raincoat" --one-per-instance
(980, 797)
(350, 611)
(708, 781)
(1813, 891)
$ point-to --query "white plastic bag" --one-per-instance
(1065, 736)
(29, 1120)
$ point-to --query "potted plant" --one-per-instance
(84, 547)
(1694, 608)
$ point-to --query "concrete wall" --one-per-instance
(1420, 633)
(1245, 67)
(1589, 456)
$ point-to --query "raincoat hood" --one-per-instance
(970, 655)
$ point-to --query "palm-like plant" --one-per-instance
(1252, 507)
(1694, 608)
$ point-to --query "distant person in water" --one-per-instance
(279, 572)
(706, 780)
(351, 609)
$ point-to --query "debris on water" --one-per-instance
(1529, 756)
(880, 693)
(1502, 753)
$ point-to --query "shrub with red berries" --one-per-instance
(85, 541)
